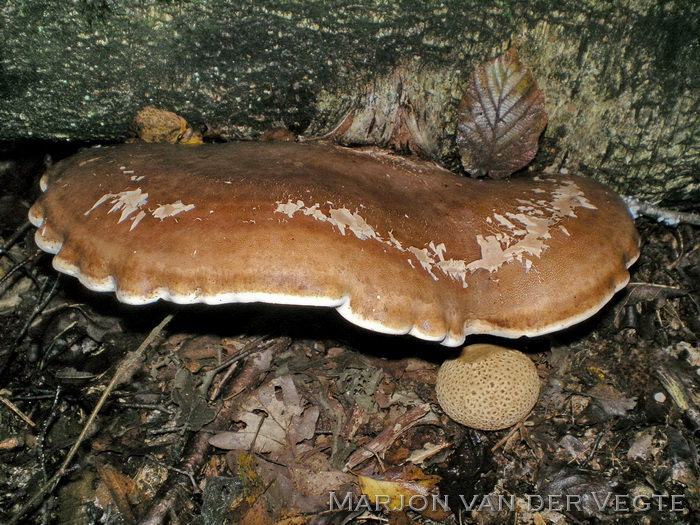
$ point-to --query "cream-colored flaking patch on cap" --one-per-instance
(488, 387)
(397, 246)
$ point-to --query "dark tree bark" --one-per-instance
(620, 77)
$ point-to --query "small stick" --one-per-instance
(387, 436)
(125, 365)
(187, 473)
(21, 266)
(40, 307)
(507, 437)
(638, 207)
(15, 237)
(15, 409)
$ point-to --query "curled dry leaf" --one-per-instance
(501, 117)
(157, 125)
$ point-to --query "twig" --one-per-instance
(180, 429)
(638, 208)
(521, 428)
(127, 363)
(684, 398)
(48, 353)
(15, 237)
(148, 406)
(263, 417)
(187, 473)
(217, 390)
(250, 348)
(596, 445)
(5, 251)
(507, 437)
(15, 409)
(387, 436)
(39, 308)
(20, 265)
(45, 427)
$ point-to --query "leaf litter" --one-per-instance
(276, 419)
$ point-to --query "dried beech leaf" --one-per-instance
(501, 117)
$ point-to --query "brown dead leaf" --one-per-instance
(642, 448)
(259, 514)
(276, 420)
(120, 490)
(194, 412)
(640, 292)
(611, 400)
(203, 347)
(300, 487)
(157, 125)
(539, 520)
(501, 117)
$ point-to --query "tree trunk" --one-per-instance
(620, 77)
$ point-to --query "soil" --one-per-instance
(258, 414)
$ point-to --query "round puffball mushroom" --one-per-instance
(488, 387)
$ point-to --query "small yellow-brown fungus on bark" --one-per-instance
(157, 125)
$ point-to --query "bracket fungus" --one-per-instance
(398, 246)
(488, 387)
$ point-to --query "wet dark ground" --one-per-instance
(322, 409)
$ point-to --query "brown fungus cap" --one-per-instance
(488, 387)
(397, 246)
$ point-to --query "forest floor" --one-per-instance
(258, 414)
